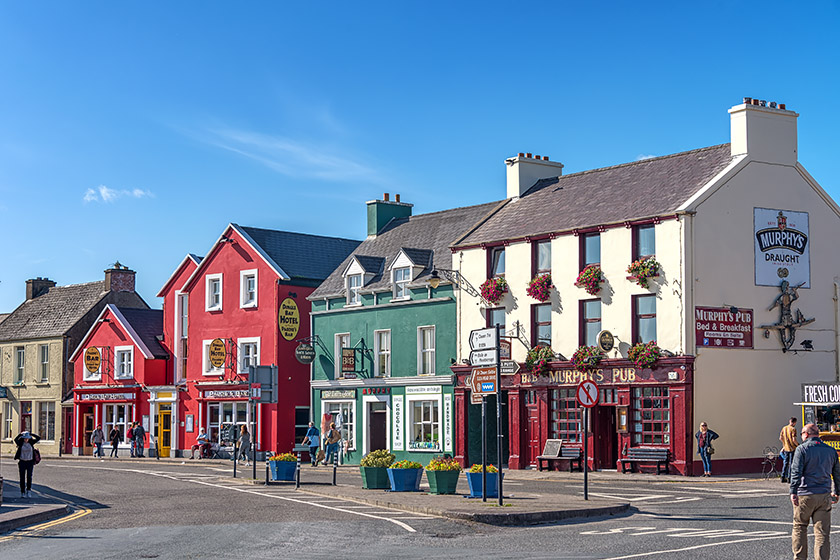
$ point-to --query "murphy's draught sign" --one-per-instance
(782, 251)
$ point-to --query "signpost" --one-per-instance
(486, 380)
(509, 367)
(587, 397)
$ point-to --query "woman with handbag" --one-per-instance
(244, 446)
(333, 437)
(115, 437)
(27, 457)
(705, 436)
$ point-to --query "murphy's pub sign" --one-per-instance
(782, 251)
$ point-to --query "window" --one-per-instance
(117, 416)
(402, 276)
(590, 249)
(249, 353)
(644, 318)
(44, 353)
(123, 362)
(354, 284)
(608, 396)
(382, 351)
(426, 350)
(343, 414)
(542, 325)
(213, 287)
(496, 316)
(644, 242)
(342, 340)
(425, 425)
(248, 288)
(542, 257)
(590, 317)
(20, 363)
(224, 414)
(565, 416)
(651, 415)
(46, 420)
(183, 314)
(87, 375)
(497, 262)
(301, 422)
(207, 367)
(7, 420)
(25, 416)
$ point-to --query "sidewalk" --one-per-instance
(16, 512)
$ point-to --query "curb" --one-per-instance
(31, 519)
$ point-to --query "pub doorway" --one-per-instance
(606, 431)
(533, 427)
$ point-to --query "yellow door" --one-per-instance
(164, 430)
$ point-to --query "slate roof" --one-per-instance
(422, 234)
(3, 316)
(53, 313)
(301, 255)
(370, 264)
(642, 189)
(148, 324)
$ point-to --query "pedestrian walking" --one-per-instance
(244, 445)
(705, 436)
(26, 456)
(313, 440)
(129, 436)
(115, 437)
(97, 438)
(139, 439)
(333, 437)
(788, 439)
(812, 470)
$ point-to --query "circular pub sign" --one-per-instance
(218, 353)
(93, 359)
(606, 341)
(288, 319)
(305, 353)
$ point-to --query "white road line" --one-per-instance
(633, 499)
(731, 491)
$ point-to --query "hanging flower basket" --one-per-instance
(538, 359)
(642, 270)
(590, 279)
(586, 358)
(644, 355)
(493, 289)
(539, 287)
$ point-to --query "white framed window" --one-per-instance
(183, 314)
(46, 420)
(44, 369)
(382, 352)
(223, 414)
(213, 290)
(123, 362)
(426, 350)
(87, 375)
(354, 284)
(206, 367)
(7, 420)
(343, 414)
(20, 363)
(117, 416)
(342, 340)
(248, 288)
(249, 353)
(424, 424)
(402, 276)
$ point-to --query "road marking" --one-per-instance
(29, 531)
(731, 491)
(634, 499)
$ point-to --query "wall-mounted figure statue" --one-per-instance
(789, 321)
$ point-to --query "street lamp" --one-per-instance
(453, 276)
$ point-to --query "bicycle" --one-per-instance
(768, 465)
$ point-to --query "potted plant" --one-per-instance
(475, 478)
(443, 474)
(642, 270)
(493, 289)
(283, 466)
(539, 287)
(538, 359)
(644, 355)
(405, 476)
(374, 469)
(586, 358)
(590, 279)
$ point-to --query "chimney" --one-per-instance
(37, 287)
(119, 279)
(764, 131)
(524, 170)
(380, 212)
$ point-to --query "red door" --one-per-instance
(532, 412)
(605, 436)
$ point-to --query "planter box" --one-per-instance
(405, 480)
(375, 478)
(283, 470)
(443, 482)
(475, 479)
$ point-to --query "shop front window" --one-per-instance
(117, 416)
(46, 420)
(224, 414)
(425, 426)
(343, 413)
(565, 416)
(651, 416)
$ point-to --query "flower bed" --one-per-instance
(493, 289)
(642, 270)
(644, 355)
(590, 279)
(540, 287)
(586, 358)
(538, 359)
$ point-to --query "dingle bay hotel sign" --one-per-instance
(782, 251)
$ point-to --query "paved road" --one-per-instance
(158, 510)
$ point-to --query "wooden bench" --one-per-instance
(554, 451)
(647, 455)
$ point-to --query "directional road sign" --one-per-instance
(483, 380)
(587, 393)
(483, 339)
(483, 357)
(510, 367)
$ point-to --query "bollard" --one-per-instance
(297, 472)
(235, 453)
(335, 465)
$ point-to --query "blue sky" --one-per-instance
(137, 131)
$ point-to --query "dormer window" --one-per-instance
(354, 284)
(402, 276)
(213, 288)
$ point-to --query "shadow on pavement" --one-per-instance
(43, 494)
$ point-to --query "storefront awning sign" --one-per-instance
(821, 393)
(106, 396)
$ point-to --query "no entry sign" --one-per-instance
(587, 393)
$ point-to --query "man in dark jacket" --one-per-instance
(139, 440)
(814, 467)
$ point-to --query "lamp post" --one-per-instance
(453, 276)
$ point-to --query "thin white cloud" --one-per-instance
(642, 157)
(103, 193)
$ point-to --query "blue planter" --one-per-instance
(475, 479)
(405, 480)
(282, 470)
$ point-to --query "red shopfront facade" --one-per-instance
(109, 407)
(637, 408)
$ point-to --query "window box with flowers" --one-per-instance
(590, 279)
(642, 270)
(644, 355)
(540, 287)
(443, 474)
(494, 289)
(538, 359)
(586, 358)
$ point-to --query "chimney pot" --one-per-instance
(528, 155)
(386, 196)
(782, 106)
(119, 279)
(521, 154)
(537, 157)
(397, 197)
(37, 287)
(545, 158)
(747, 100)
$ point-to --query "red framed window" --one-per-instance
(540, 257)
(590, 249)
(495, 262)
(590, 321)
(496, 315)
(644, 242)
(651, 416)
(565, 420)
(644, 318)
(541, 321)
